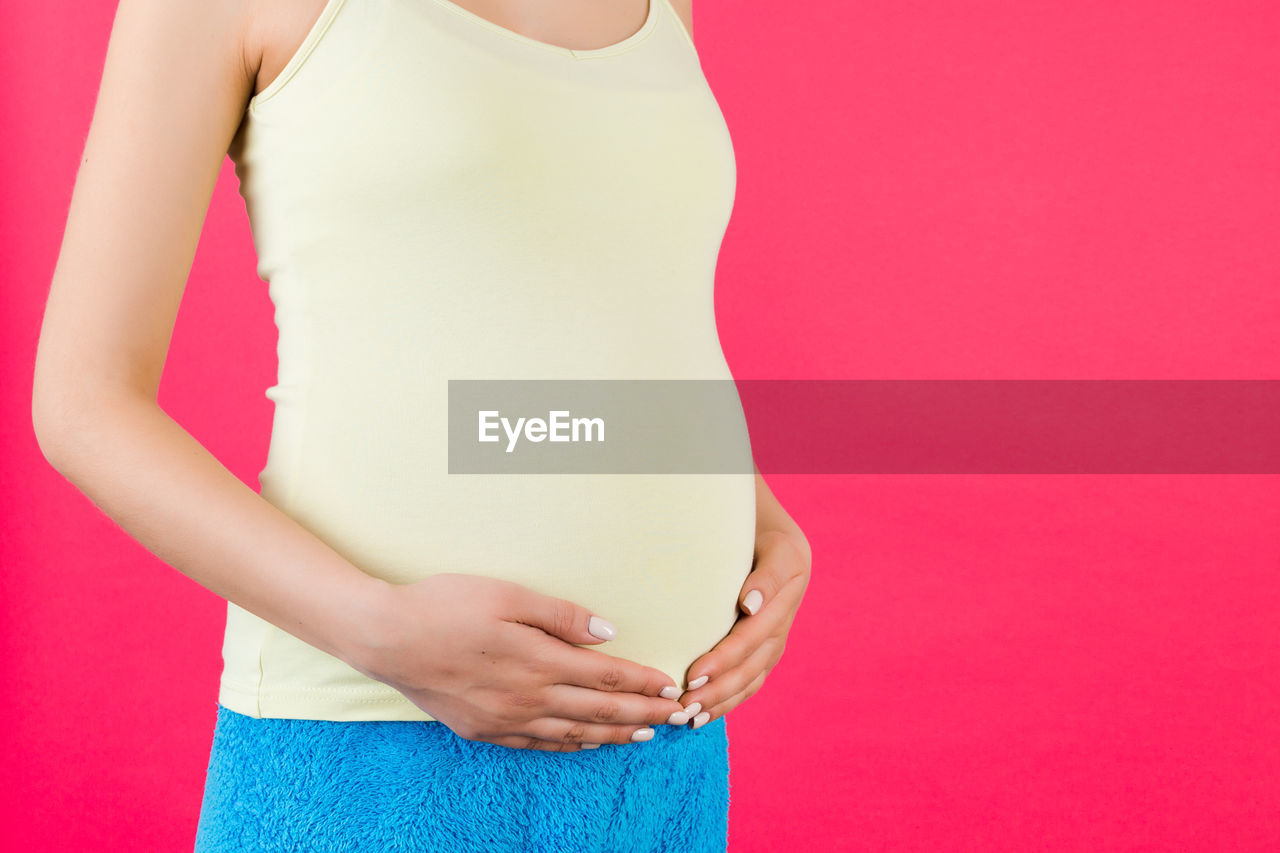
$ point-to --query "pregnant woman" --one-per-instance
(415, 660)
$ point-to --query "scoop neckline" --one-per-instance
(650, 21)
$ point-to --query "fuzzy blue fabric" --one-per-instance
(320, 785)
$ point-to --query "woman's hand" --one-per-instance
(495, 662)
(736, 668)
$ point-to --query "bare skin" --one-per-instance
(175, 84)
(276, 29)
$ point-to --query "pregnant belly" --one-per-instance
(662, 557)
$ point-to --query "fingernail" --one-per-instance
(701, 719)
(601, 628)
(697, 682)
(642, 734)
(670, 692)
(589, 745)
(693, 709)
(679, 718)
(752, 601)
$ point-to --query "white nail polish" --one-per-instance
(679, 718)
(752, 601)
(697, 682)
(642, 734)
(693, 709)
(670, 692)
(701, 719)
(589, 745)
(601, 628)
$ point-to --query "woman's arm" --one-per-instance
(174, 87)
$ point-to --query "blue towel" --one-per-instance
(371, 786)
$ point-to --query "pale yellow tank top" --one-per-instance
(434, 197)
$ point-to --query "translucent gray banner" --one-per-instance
(865, 426)
(597, 427)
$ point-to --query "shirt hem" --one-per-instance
(338, 704)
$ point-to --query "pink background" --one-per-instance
(926, 190)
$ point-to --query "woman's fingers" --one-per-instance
(561, 680)
(570, 715)
(739, 684)
(540, 723)
(564, 663)
(738, 665)
(522, 742)
(768, 600)
(760, 585)
(777, 561)
(716, 693)
(721, 708)
(747, 634)
(608, 711)
(574, 731)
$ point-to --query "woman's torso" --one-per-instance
(434, 197)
